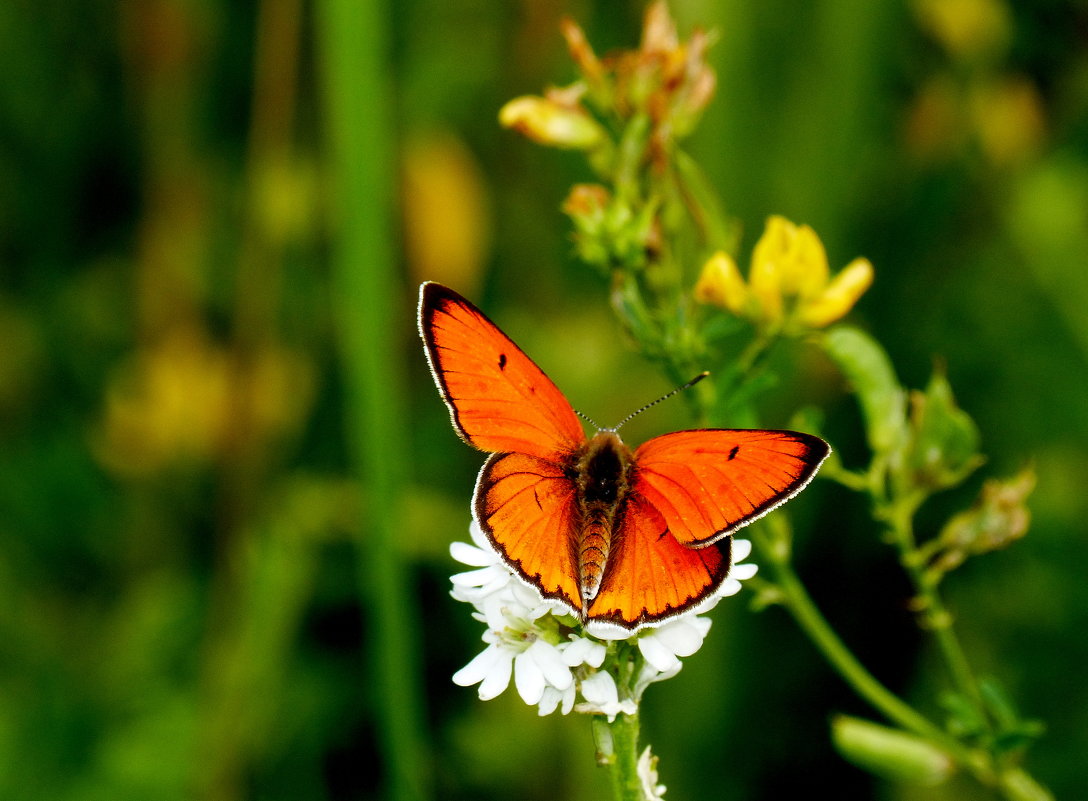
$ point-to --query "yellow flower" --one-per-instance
(789, 284)
(967, 28)
(549, 122)
(181, 400)
(788, 260)
(721, 284)
(447, 228)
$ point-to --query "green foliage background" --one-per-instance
(195, 598)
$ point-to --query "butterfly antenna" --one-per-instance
(664, 397)
(587, 419)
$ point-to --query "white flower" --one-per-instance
(647, 775)
(490, 669)
(648, 674)
(555, 699)
(517, 645)
(537, 667)
(535, 664)
(524, 632)
(492, 575)
(738, 573)
(583, 651)
(603, 698)
(682, 636)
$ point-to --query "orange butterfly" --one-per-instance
(625, 538)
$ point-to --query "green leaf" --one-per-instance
(1014, 733)
(965, 721)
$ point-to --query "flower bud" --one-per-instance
(888, 752)
(588, 206)
(587, 202)
(582, 53)
(551, 123)
(998, 518)
(944, 438)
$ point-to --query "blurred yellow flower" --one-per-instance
(721, 284)
(181, 400)
(967, 28)
(789, 283)
(447, 219)
(1010, 119)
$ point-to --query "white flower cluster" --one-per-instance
(550, 670)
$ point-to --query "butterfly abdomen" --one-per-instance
(601, 470)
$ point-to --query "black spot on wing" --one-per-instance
(733, 453)
(502, 361)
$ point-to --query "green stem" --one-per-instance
(352, 43)
(617, 750)
(629, 160)
(937, 617)
(706, 207)
(813, 623)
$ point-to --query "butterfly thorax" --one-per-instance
(601, 470)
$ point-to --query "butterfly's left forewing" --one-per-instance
(499, 400)
(707, 483)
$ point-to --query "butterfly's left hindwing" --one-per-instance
(526, 506)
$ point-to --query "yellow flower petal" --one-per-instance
(768, 257)
(777, 235)
(805, 272)
(839, 296)
(721, 284)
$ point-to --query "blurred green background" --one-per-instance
(227, 485)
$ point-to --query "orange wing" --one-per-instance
(651, 576)
(708, 483)
(525, 506)
(499, 400)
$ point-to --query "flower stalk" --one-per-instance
(648, 224)
(801, 606)
(617, 750)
